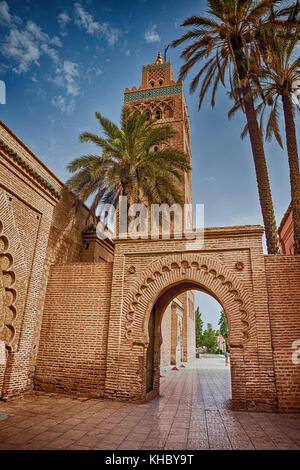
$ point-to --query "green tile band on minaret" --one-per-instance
(156, 93)
(151, 67)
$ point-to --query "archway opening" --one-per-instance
(175, 345)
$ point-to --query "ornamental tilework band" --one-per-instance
(155, 66)
(142, 95)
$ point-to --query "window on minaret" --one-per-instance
(168, 113)
(157, 114)
(160, 82)
(152, 84)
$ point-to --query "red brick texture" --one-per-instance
(165, 269)
(37, 229)
(283, 277)
(72, 350)
(26, 210)
(91, 337)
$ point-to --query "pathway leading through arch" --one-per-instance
(191, 413)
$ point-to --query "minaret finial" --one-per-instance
(159, 59)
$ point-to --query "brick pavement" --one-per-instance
(193, 412)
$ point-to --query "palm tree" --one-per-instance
(227, 41)
(136, 161)
(275, 81)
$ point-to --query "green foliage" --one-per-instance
(223, 324)
(224, 43)
(210, 339)
(129, 163)
(198, 328)
(225, 48)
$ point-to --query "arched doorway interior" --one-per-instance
(156, 336)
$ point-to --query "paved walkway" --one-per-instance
(193, 412)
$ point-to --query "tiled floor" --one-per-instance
(193, 412)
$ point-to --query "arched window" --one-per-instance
(168, 113)
(157, 114)
(152, 83)
(155, 149)
(160, 82)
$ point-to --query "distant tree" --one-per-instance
(198, 328)
(223, 324)
(210, 339)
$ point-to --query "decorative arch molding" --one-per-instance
(208, 273)
(8, 294)
(13, 273)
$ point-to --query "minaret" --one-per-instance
(164, 100)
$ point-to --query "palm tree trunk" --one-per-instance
(262, 178)
(291, 143)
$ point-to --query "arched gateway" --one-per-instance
(151, 273)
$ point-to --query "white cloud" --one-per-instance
(5, 16)
(63, 104)
(94, 71)
(20, 47)
(127, 53)
(209, 179)
(63, 20)
(111, 34)
(86, 21)
(25, 46)
(50, 52)
(151, 35)
(66, 75)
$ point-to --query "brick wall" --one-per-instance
(189, 340)
(230, 265)
(37, 229)
(165, 349)
(72, 351)
(26, 209)
(283, 280)
(68, 223)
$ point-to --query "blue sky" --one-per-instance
(62, 61)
